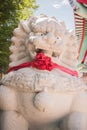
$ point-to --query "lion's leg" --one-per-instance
(11, 120)
(75, 121)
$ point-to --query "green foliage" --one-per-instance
(11, 12)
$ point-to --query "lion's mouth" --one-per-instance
(53, 54)
(39, 50)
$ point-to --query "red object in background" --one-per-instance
(82, 1)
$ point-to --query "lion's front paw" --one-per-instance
(45, 101)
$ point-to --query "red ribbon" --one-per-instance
(43, 62)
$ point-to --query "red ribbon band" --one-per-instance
(43, 62)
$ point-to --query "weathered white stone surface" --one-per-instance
(32, 99)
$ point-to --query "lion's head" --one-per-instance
(39, 34)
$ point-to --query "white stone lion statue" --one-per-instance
(42, 90)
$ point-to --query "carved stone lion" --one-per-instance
(37, 98)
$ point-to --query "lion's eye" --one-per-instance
(42, 34)
(59, 38)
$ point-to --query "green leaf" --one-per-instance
(11, 12)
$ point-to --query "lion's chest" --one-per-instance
(43, 97)
(44, 106)
(41, 94)
(32, 80)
